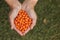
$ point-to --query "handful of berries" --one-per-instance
(22, 21)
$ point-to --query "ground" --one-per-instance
(47, 27)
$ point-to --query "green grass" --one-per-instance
(47, 27)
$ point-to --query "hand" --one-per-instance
(15, 8)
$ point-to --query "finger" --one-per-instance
(33, 15)
(12, 23)
(33, 24)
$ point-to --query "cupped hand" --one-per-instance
(16, 6)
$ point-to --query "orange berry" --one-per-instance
(22, 31)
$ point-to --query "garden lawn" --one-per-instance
(47, 27)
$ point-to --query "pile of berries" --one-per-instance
(22, 21)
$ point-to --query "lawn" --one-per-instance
(47, 27)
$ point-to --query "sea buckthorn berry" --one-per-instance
(22, 30)
(17, 27)
(22, 21)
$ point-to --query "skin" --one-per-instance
(27, 5)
